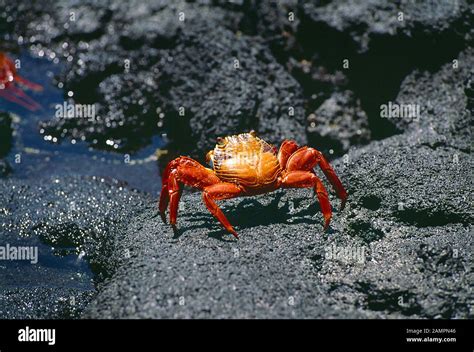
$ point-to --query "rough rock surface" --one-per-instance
(379, 49)
(446, 102)
(6, 132)
(338, 123)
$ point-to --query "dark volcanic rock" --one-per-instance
(378, 49)
(275, 21)
(71, 221)
(365, 21)
(400, 249)
(228, 83)
(126, 116)
(43, 303)
(445, 101)
(185, 60)
(338, 123)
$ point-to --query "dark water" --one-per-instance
(55, 267)
(33, 155)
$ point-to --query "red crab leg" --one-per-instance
(33, 86)
(333, 179)
(307, 179)
(33, 104)
(15, 95)
(220, 191)
(182, 170)
(305, 159)
(175, 196)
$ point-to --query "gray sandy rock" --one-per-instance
(71, 222)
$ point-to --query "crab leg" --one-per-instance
(174, 196)
(33, 86)
(307, 179)
(18, 92)
(333, 179)
(182, 170)
(17, 96)
(220, 191)
(287, 148)
(305, 159)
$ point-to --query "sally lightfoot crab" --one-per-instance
(245, 165)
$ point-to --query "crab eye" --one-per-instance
(220, 141)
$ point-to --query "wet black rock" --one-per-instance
(401, 248)
(43, 303)
(338, 123)
(6, 137)
(110, 52)
(125, 117)
(185, 60)
(227, 83)
(71, 223)
(5, 168)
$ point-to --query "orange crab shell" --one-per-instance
(245, 160)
